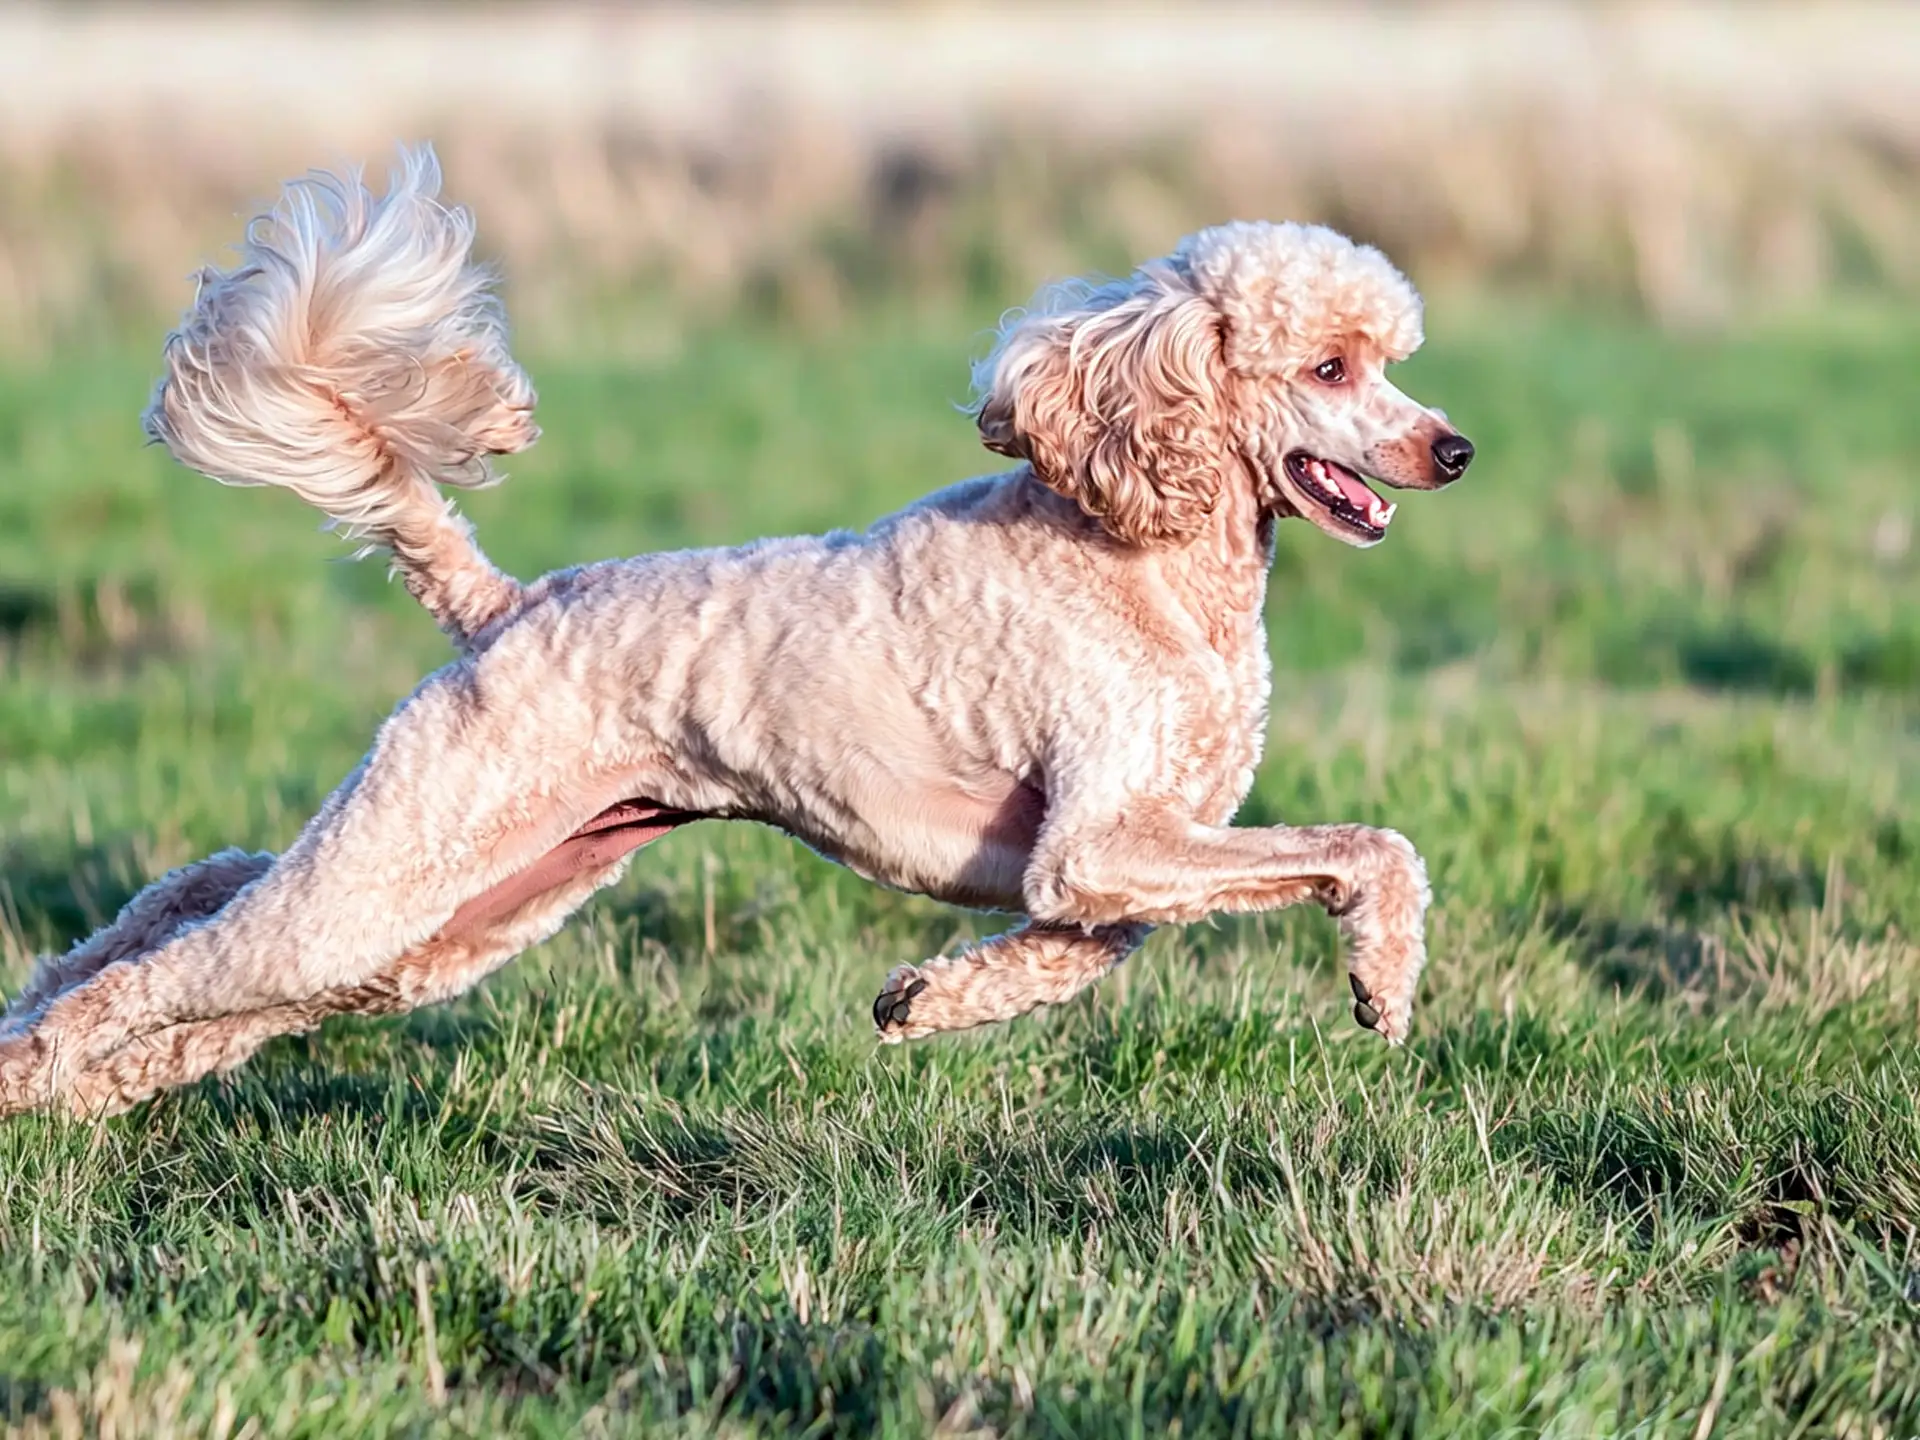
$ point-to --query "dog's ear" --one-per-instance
(1113, 396)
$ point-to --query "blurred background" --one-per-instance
(1684, 161)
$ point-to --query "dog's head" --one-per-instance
(1255, 354)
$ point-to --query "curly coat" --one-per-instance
(1043, 691)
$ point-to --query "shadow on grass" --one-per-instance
(1738, 658)
(22, 1398)
(1120, 1176)
(95, 623)
(1637, 957)
(826, 1379)
(1885, 662)
(26, 611)
(1697, 872)
(283, 1085)
(784, 1373)
(599, 1171)
(1695, 877)
(1646, 1156)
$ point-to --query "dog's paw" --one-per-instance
(1367, 1013)
(893, 1010)
(1385, 924)
(1383, 1000)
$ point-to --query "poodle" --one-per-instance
(1043, 692)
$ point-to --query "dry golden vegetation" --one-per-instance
(1694, 161)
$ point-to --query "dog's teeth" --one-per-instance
(1386, 515)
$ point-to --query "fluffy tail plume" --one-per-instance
(357, 356)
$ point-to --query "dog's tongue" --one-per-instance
(1353, 487)
(1355, 492)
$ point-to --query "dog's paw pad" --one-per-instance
(894, 1006)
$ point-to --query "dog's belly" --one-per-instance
(958, 845)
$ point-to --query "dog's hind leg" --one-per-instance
(179, 898)
(459, 796)
(489, 932)
(1000, 978)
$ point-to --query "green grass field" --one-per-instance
(1645, 689)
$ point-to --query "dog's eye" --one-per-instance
(1331, 372)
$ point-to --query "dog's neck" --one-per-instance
(1221, 574)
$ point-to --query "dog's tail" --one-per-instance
(357, 356)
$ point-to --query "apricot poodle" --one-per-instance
(1043, 691)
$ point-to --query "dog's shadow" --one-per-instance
(285, 1087)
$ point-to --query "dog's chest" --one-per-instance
(1226, 708)
(1207, 610)
(1243, 703)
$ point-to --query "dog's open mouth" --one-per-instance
(1340, 495)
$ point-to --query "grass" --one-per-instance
(1645, 689)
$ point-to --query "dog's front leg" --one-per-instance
(1158, 867)
(1000, 978)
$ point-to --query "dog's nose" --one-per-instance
(1452, 454)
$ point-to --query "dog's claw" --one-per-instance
(894, 1007)
(1360, 991)
(1368, 1017)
